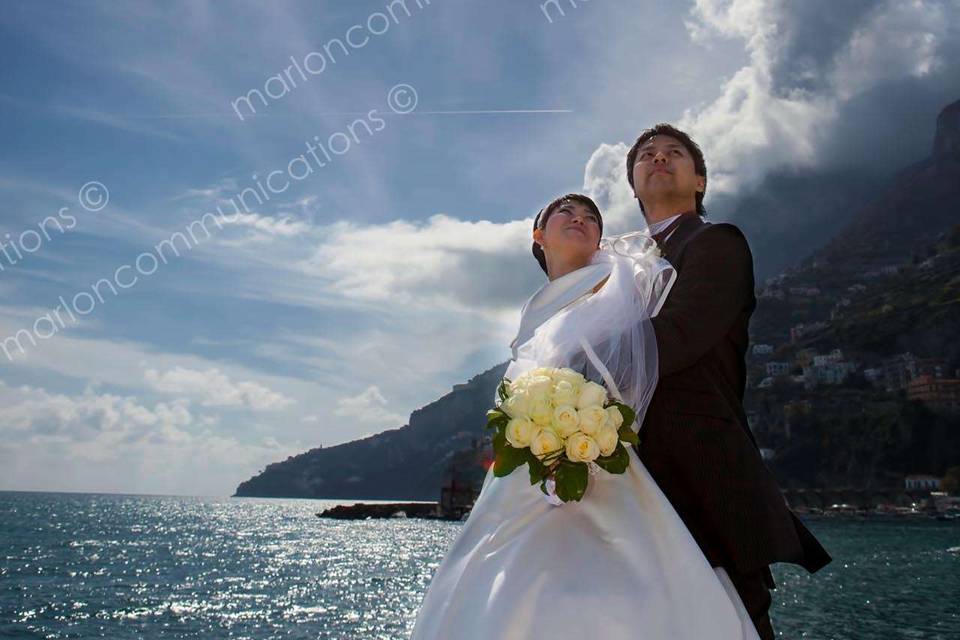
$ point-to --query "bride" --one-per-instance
(619, 563)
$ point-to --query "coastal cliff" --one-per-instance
(409, 463)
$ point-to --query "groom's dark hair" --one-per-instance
(699, 165)
(541, 220)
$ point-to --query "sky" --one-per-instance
(232, 232)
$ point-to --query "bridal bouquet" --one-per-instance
(559, 423)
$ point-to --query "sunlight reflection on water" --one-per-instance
(114, 566)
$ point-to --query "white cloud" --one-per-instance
(269, 225)
(216, 389)
(106, 442)
(320, 371)
(92, 425)
(115, 121)
(369, 407)
(776, 112)
(120, 363)
(904, 39)
(605, 180)
(749, 132)
(410, 262)
(224, 188)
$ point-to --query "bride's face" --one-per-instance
(572, 233)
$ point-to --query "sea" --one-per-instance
(76, 565)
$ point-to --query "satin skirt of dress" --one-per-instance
(619, 564)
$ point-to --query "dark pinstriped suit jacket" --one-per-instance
(695, 440)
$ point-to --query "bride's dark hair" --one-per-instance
(541, 220)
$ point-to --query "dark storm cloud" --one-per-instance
(809, 36)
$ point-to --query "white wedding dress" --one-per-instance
(618, 564)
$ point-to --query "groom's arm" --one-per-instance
(714, 285)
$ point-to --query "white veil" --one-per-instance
(608, 335)
(618, 564)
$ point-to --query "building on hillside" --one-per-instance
(772, 293)
(874, 376)
(834, 356)
(828, 372)
(827, 368)
(775, 369)
(940, 394)
(804, 357)
(797, 408)
(921, 483)
(899, 370)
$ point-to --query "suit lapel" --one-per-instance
(673, 244)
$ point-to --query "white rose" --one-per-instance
(591, 394)
(565, 420)
(539, 385)
(547, 427)
(615, 417)
(545, 441)
(607, 439)
(592, 419)
(567, 374)
(541, 410)
(519, 431)
(549, 372)
(565, 393)
(517, 405)
(582, 448)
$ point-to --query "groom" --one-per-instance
(695, 440)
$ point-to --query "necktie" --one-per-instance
(662, 235)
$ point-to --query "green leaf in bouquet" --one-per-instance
(627, 434)
(496, 419)
(616, 462)
(538, 470)
(506, 458)
(629, 415)
(571, 479)
(499, 442)
(502, 389)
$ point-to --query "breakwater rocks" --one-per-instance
(362, 511)
(802, 500)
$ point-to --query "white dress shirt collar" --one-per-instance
(657, 227)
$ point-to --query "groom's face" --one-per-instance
(665, 169)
